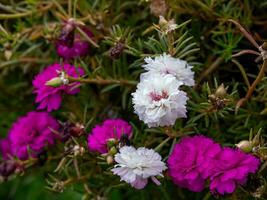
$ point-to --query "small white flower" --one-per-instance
(158, 100)
(135, 166)
(166, 64)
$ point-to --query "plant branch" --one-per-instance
(255, 83)
(241, 68)
(76, 166)
(248, 51)
(25, 14)
(245, 33)
(101, 81)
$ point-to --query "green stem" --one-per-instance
(257, 80)
(25, 14)
(241, 68)
(162, 144)
(87, 37)
(101, 81)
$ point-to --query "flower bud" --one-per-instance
(78, 150)
(212, 97)
(54, 82)
(9, 168)
(221, 91)
(112, 151)
(162, 21)
(117, 50)
(244, 145)
(109, 159)
(111, 142)
(167, 26)
(77, 130)
(256, 140)
(8, 54)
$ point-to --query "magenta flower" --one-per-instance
(30, 134)
(232, 169)
(191, 162)
(5, 148)
(50, 97)
(71, 45)
(110, 129)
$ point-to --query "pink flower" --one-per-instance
(110, 129)
(70, 44)
(5, 148)
(191, 162)
(232, 168)
(50, 97)
(30, 134)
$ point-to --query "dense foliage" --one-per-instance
(222, 39)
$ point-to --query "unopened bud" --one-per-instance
(9, 168)
(8, 54)
(77, 130)
(112, 151)
(109, 159)
(111, 142)
(244, 145)
(162, 21)
(167, 26)
(117, 50)
(54, 82)
(212, 97)
(256, 140)
(221, 91)
(78, 150)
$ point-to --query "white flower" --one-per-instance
(165, 64)
(135, 166)
(158, 100)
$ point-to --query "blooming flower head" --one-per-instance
(5, 148)
(50, 97)
(191, 162)
(166, 64)
(110, 129)
(158, 100)
(71, 44)
(232, 169)
(31, 133)
(135, 166)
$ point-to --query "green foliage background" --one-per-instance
(208, 38)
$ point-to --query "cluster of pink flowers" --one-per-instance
(111, 129)
(29, 135)
(196, 159)
(69, 45)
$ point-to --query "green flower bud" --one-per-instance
(54, 82)
(111, 142)
(256, 140)
(112, 151)
(245, 146)
(221, 91)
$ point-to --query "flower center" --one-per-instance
(167, 71)
(33, 133)
(157, 97)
